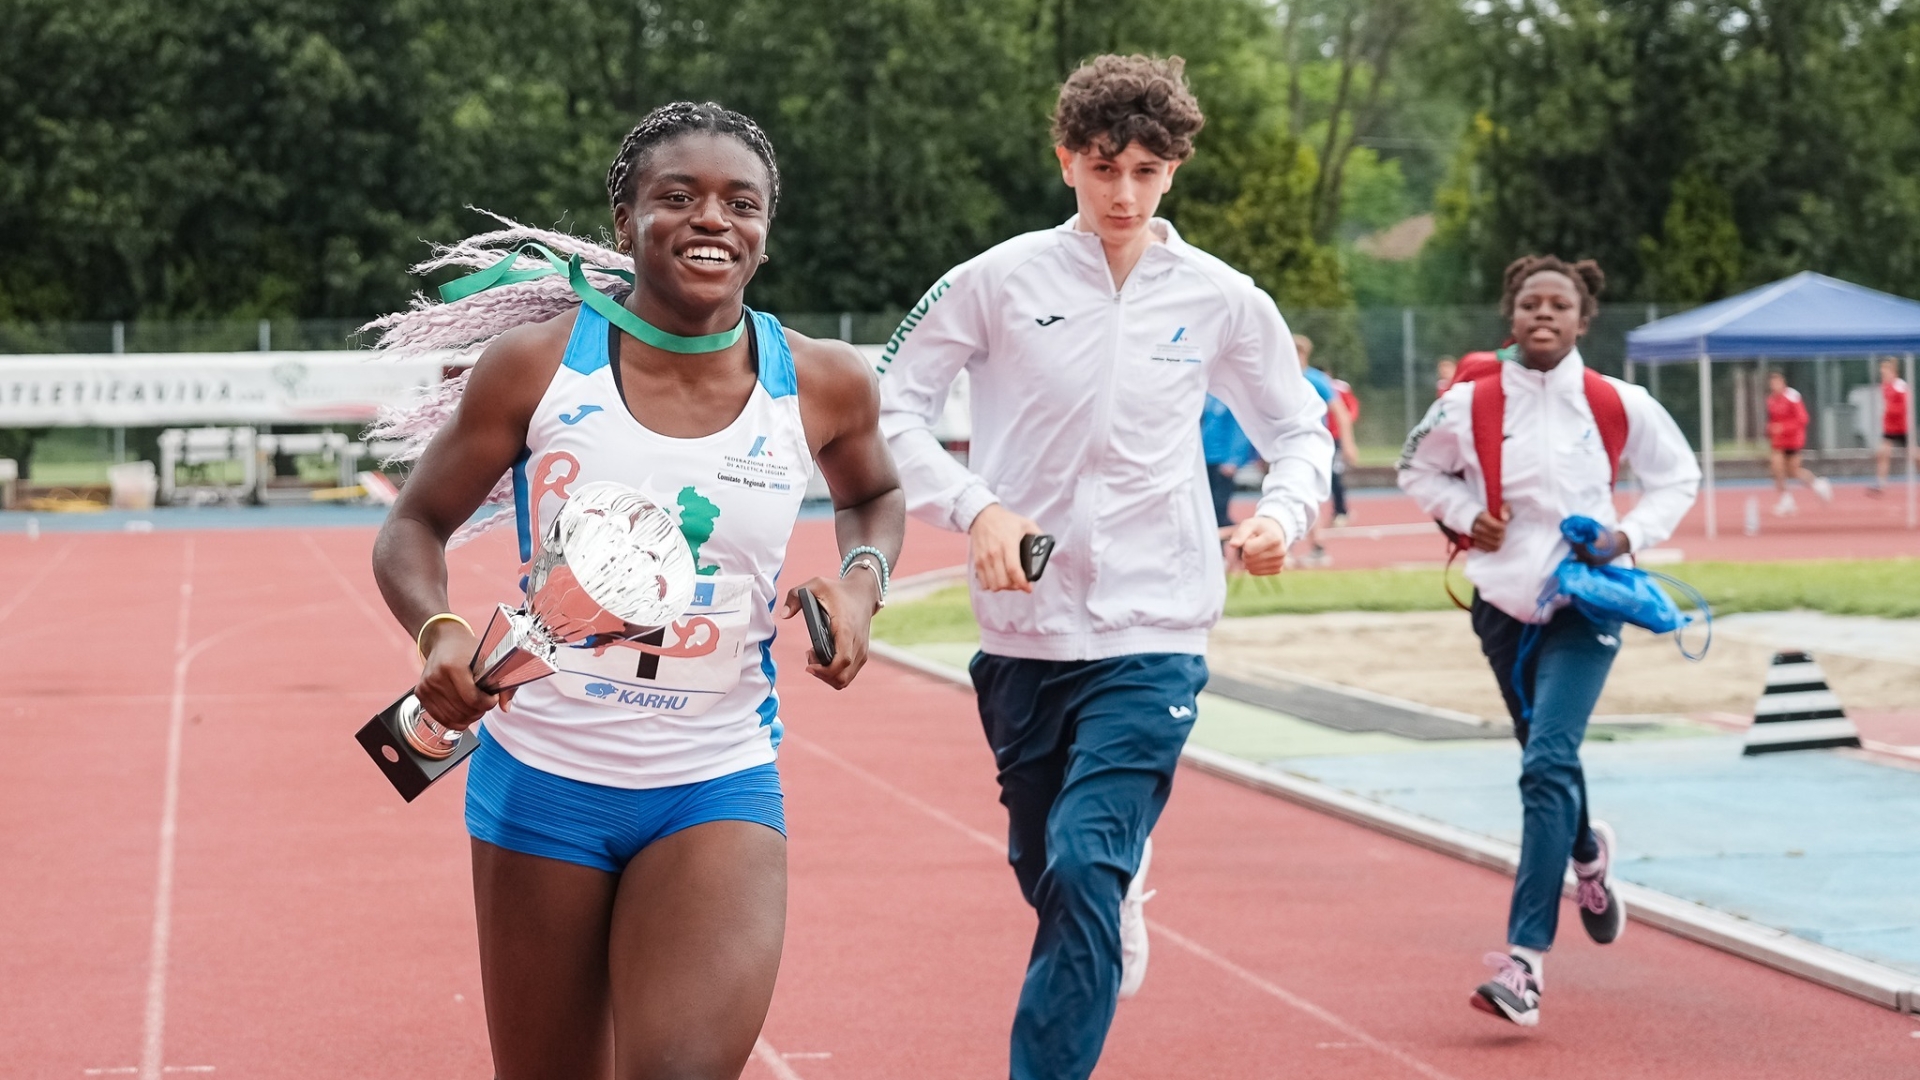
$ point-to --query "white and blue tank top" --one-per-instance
(698, 701)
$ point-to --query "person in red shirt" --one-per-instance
(1787, 434)
(1893, 422)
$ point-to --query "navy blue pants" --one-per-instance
(1221, 487)
(1086, 751)
(1563, 676)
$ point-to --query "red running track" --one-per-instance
(180, 712)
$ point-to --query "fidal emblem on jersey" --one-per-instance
(760, 468)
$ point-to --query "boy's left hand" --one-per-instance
(1261, 543)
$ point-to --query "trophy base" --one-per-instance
(409, 771)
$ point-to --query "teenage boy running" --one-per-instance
(1091, 349)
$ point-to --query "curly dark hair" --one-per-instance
(1586, 276)
(679, 118)
(1114, 101)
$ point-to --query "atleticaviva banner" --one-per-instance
(150, 389)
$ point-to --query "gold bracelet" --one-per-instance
(420, 638)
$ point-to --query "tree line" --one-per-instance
(290, 158)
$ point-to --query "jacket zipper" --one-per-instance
(1100, 447)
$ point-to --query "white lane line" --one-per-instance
(1298, 1002)
(152, 1042)
(384, 624)
(34, 581)
(1187, 943)
(998, 847)
(777, 1065)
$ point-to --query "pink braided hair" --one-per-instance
(457, 332)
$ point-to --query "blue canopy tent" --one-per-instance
(1806, 315)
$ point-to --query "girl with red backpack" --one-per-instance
(1514, 447)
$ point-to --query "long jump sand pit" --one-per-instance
(1433, 658)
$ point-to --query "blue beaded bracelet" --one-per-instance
(886, 572)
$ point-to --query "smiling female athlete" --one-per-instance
(629, 850)
(1504, 457)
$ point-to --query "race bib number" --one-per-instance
(680, 670)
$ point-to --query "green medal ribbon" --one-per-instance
(503, 273)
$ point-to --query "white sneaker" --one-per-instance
(1823, 489)
(1785, 506)
(1133, 928)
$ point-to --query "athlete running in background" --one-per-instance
(1340, 422)
(1226, 451)
(1091, 349)
(1443, 370)
(1787, 437)
(1349, 448)
(629, 860)
(1554, 464)
(1893, 422)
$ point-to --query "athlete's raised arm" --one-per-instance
(840, 408)
(466, 458)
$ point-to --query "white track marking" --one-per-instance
(1298, 1002)
(777, 1065)
(153, 1041)
(1198, 950)
(34, 581)
(384, 624)
(998, 847)
(152, 1044)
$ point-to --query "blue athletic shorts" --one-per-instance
(513, 805)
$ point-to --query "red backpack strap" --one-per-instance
(1609, 418)
(1489, 423)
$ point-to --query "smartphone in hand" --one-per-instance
(819, 627)
(1034, 550)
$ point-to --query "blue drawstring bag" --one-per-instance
(1608, 593)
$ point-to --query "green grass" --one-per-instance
(1884, 587)
(944, 616)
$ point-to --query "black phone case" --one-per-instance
(819, 628)
(1034, 550)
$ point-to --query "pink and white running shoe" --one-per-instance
(1601, 911)
(1512, 994)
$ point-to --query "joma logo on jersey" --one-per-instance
(579, 414)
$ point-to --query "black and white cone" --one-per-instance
(1798, 711)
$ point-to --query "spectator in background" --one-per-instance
(1893, 421)
(1443, 370)
(1341, 421)
(1787, 435)
(1350, 449)
(1227, 450)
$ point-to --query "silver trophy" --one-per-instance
(612, 566)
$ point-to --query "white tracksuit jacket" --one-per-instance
(1552, 466)
(1086, 405)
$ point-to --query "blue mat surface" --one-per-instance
(1821, 845)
